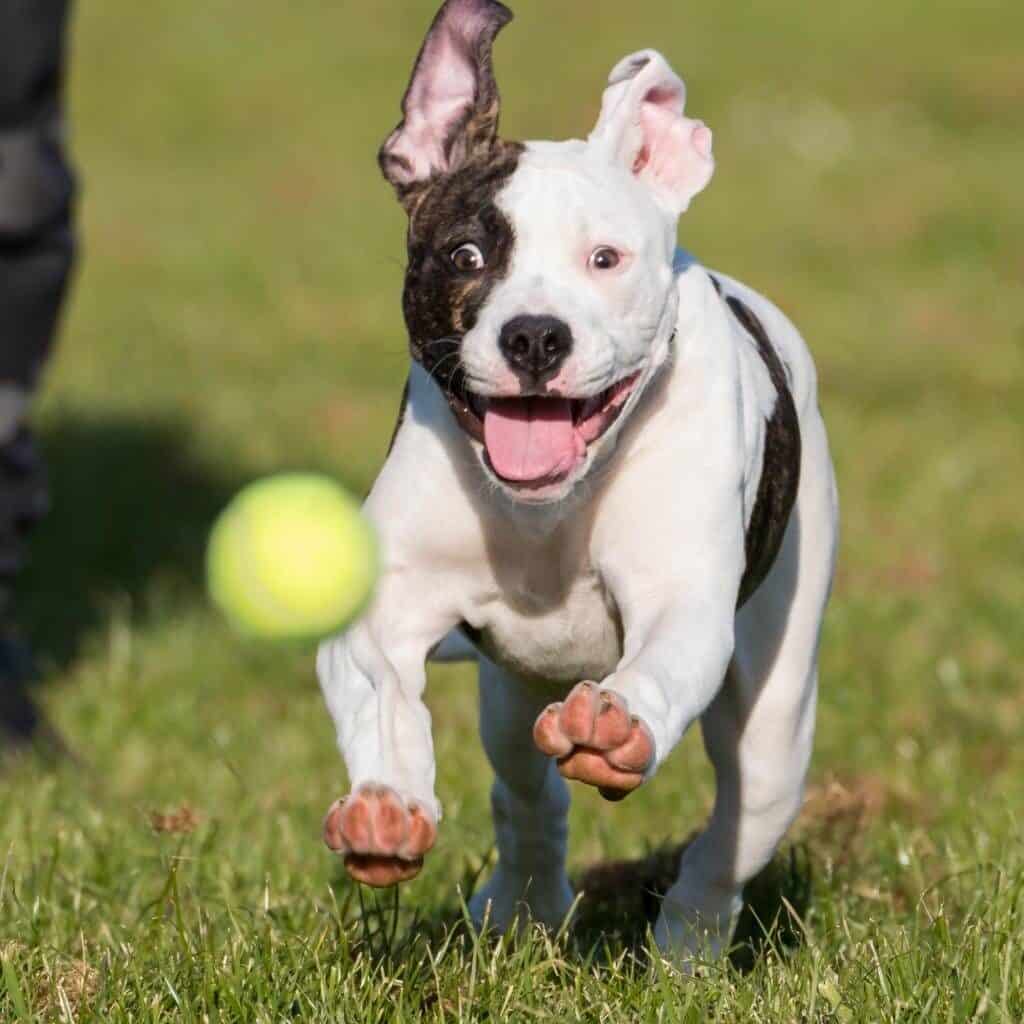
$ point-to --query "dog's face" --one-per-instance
(539, 292)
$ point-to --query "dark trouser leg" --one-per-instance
(36, 252)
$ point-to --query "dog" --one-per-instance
(610, 485)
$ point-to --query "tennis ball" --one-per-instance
(291, 558)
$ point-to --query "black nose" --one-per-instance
(535, 345)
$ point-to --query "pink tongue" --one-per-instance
(531, 438)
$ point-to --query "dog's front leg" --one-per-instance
(613, 735)
(388, 822)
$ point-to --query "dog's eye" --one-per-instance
(467, 257)
(605, 258)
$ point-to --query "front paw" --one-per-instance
(382, 835)
(596, 740)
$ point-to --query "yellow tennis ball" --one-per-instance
(291, 558)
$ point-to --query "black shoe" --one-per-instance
(19, 716)
(23, 501)
(22, 725)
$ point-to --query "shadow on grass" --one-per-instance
(131, 504)
(622, 898)
(616, 912)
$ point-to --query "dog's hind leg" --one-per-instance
(530, 803)
(760, 729)
(453, 648)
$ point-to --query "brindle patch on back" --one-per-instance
(780, 467)
(402, 406)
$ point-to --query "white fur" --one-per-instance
(565, 200)
(630, 577)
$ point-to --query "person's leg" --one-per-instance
(36, 253)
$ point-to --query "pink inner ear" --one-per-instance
(676, 151)
(642, 158)
(669, 97)
(452, 75)
(445, 83)
(443, 88)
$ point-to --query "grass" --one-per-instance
(237, 314)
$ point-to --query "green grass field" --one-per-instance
(237, 314)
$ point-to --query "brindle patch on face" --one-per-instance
(780, 466)
(440, 302)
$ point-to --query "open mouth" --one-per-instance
(536, 440)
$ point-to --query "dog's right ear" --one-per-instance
(450, 110)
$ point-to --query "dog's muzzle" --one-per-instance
(535, 440)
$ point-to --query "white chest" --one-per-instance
(546, 621)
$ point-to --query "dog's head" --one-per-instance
(539, 292)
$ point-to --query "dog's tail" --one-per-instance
(454, 647)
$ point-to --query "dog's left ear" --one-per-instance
(642, 127)
(450, 110)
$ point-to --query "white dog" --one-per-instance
(611, 467)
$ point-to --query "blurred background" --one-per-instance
(236, 312)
